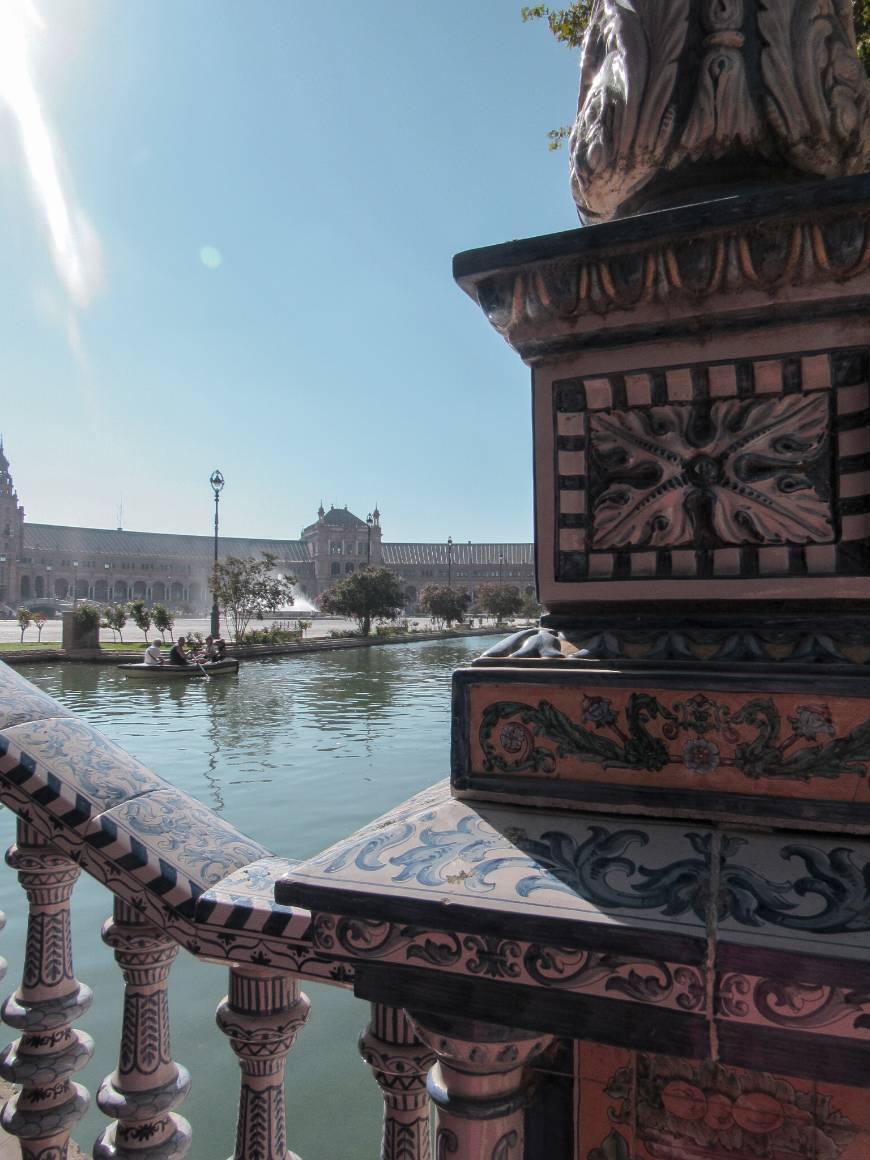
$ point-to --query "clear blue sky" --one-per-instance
(333, 157)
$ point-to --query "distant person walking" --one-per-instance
(177, 654)
(153, 655)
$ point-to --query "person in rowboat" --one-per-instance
(177, 654)
(153, 656)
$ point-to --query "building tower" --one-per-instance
(11, 531)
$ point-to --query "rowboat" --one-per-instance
(179, 672)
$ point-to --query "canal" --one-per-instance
(296, 752)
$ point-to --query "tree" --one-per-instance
(444, 602)
(115, 617)
(568, 25)
(24, 618)
(39, 619)
(499, 600)
(141, 616)
(163, 620)
(367, 595)
(246, 588)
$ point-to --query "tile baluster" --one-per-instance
(479, 1085)
(44, 1007)
(262, 1015)
(400, 1064)
(147, 1084)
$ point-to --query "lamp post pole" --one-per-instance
(369, 523)
(217, 482)
(500, 567)
(449, 561)
(2, 578)
(48, 580)
(75, 584)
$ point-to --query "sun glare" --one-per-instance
(74, 245)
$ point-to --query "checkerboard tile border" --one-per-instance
(844, 374)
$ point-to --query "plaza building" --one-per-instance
(111, 565)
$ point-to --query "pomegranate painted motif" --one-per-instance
(703, 1111)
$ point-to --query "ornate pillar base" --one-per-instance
(479, 1085)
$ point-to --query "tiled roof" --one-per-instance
(513, 555)
(111, 543)
(340, 518)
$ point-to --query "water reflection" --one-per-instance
(283, 727)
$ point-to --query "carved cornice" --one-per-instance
(681, 265)
(679, 95)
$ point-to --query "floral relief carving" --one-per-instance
(734, 472)
(805, 113)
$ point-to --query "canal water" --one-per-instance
(296, 752)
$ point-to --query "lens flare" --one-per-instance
(74, 244)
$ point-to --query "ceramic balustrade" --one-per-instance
(181, 877)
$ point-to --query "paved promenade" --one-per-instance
(9, 630)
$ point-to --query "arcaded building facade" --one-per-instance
(105, 565)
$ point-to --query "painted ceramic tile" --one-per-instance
(497, 858)
(821, 1008)
(809, 892)
(575, 970)
(75, 771)
(661, 1108)
(20, 701)
(785, 744)
(245, 901)
(173, 845)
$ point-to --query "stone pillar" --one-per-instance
(479, 1085)
(44, 1007)
(400, 1063)
(262, 1015)
(147, 1084)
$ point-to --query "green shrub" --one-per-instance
(86, 617)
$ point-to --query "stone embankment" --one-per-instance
(250, 651)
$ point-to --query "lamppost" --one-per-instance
(449, 561)
(500, 567)
(217, 482)
(75, 584)
(2, 577)
(48, 580)
(369, 523)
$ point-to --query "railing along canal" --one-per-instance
(180, 877)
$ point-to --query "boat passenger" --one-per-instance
(177, 654)
(220, 648)
(207, 652)
(153, 655)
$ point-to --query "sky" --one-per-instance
(227, 232)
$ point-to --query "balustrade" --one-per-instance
(45, 1006)
(400, 1063)
(147, 1085)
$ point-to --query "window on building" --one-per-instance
(348, 568)
(334, 548)
(361, 549)
(335, 569)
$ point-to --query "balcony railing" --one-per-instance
(179, 876)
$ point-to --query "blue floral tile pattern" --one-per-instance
(497, 858)
(20, 701)
(245, 901)
(76, 772)
(173, 845)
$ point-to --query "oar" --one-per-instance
(204, 673)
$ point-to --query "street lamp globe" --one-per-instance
(216, 480)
